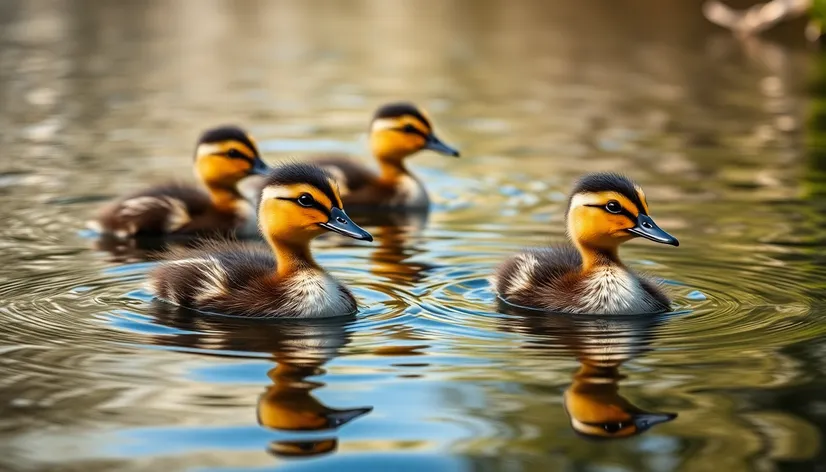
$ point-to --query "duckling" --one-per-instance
(223, 157)
(604, 211)
(398, 130)
(298, 203)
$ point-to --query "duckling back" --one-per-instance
(164, 209)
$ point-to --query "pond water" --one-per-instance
(727, 138)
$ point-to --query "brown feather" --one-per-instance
(360, 187)
(246, 287)
(150, 212)
(556, 282)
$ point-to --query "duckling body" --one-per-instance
(588, 277)
(225, 277)
(224, 156)
(171, 208)
(552, 279)
(393, 188)
(299, 202)
(397, 131)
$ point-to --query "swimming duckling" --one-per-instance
(223, 157)
(298, 203)
(604, 211)
(397, 131)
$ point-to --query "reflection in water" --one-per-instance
(395, 245)
(289, 405)
(601, 345)
(598, 410)
(300, 349)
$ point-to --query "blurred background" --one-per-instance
(726, 132)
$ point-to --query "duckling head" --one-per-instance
(225, 155)
(597, 410)
(401, 129)
(300, 202)
(607, 209)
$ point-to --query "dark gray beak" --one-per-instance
(647, 420)
(435, 144)
(342, 417)
(342, 224)
(259, 167)
(647, 229)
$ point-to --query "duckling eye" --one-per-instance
(408, 128)
(612, 427)
(235, 154)
(306, 200)
(613, 207)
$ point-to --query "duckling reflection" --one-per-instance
(597, 410)
(396, 246)
(300, 349)
(593, 402)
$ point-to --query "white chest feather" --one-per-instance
(317, 295)
(410, 193)
(613, 290)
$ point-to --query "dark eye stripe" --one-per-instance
(316, 205)
(242, 156)
(415, 131)
(623, 211)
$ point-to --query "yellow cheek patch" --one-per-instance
(596, 226)
(218, 168)
(286, 220)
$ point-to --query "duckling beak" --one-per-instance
(435, 144)
(259, 167)
(647, 229)
(646, 420)
(340, 223)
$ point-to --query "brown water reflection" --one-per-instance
(99, 98)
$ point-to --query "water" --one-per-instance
(99, 98)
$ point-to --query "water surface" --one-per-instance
(99, 98)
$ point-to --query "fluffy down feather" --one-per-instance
(239, 279)
(551, 279)
(173, 208)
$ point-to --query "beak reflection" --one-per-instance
(643, 421)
